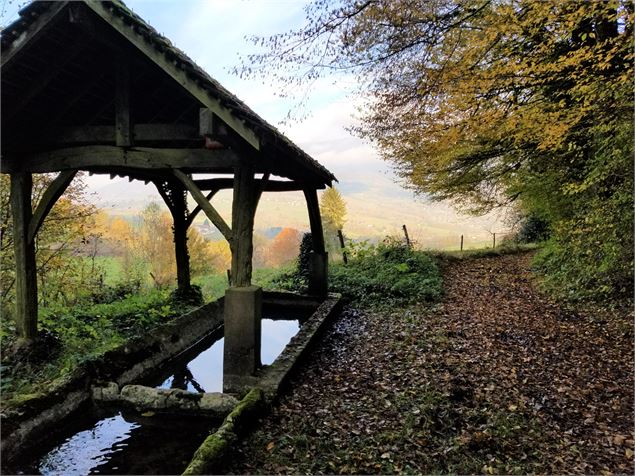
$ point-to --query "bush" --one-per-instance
(388, 273)
(533, 229)
(108, 294)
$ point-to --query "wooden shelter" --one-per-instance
(90, 86)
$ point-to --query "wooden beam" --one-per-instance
(53, 192)
(177, 73)
(192, 215)
(27, 38)
(205, 122)
(261, 186)
(107, 135)
(24, 250)
(207, 207)
(269, 186)
(86, 157)
(313, 206)
(123, 124)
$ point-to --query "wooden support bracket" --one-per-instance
(202, 202)
(192, 215)
(53, 192)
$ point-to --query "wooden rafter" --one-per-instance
(43, 80)
(35, 30)
(177, 74)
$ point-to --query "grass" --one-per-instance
(70, 336)
(213, 286)
(503, 249)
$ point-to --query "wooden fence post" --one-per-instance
(405, 232)
(342, 246)
(494, 242)
(461, 242)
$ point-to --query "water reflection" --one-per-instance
(120, 443)
(87, 449)
(275, 336)
(204, 372)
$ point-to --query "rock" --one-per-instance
(105, 392)
(176, 400)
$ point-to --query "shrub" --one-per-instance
(388, 273)
(532, 230)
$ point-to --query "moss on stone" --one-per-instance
(215, 446)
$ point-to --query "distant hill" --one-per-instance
(376, 207)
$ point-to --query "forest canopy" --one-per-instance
(489, 103)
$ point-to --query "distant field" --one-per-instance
(212, 285)
(109, 265)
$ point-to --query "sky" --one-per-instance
(213, 33)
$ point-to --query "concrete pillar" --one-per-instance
(243, 311)
(318, 273)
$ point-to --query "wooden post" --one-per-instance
(181, 252)
(461, 242)
(243, 212)
(494, 240)
(315, 220)
(175, 199)
(342, 246)
(123, 124)
(24, 249)
(243, 302)
(405, 232)
(318, 264)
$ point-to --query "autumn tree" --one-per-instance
(284, 247)
(221, 256)
(491, 103)
(63, 273)
(333, 211)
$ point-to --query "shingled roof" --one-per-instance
(29, 23)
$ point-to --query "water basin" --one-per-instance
(202, 370)
(109, 441)
(118, 443)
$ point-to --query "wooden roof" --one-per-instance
(60, 63)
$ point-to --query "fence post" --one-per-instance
(494, 238)
(405, 232)
(461, 242)
(342, 246)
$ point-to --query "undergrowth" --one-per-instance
(69, 336)
(388, 273)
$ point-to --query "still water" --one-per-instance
(124, 442)
(204, 372)
(120, 443)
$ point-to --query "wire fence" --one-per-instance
(463, 242)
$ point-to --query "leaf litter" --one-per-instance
(495, 379)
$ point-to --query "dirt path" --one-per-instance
(495, 379)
